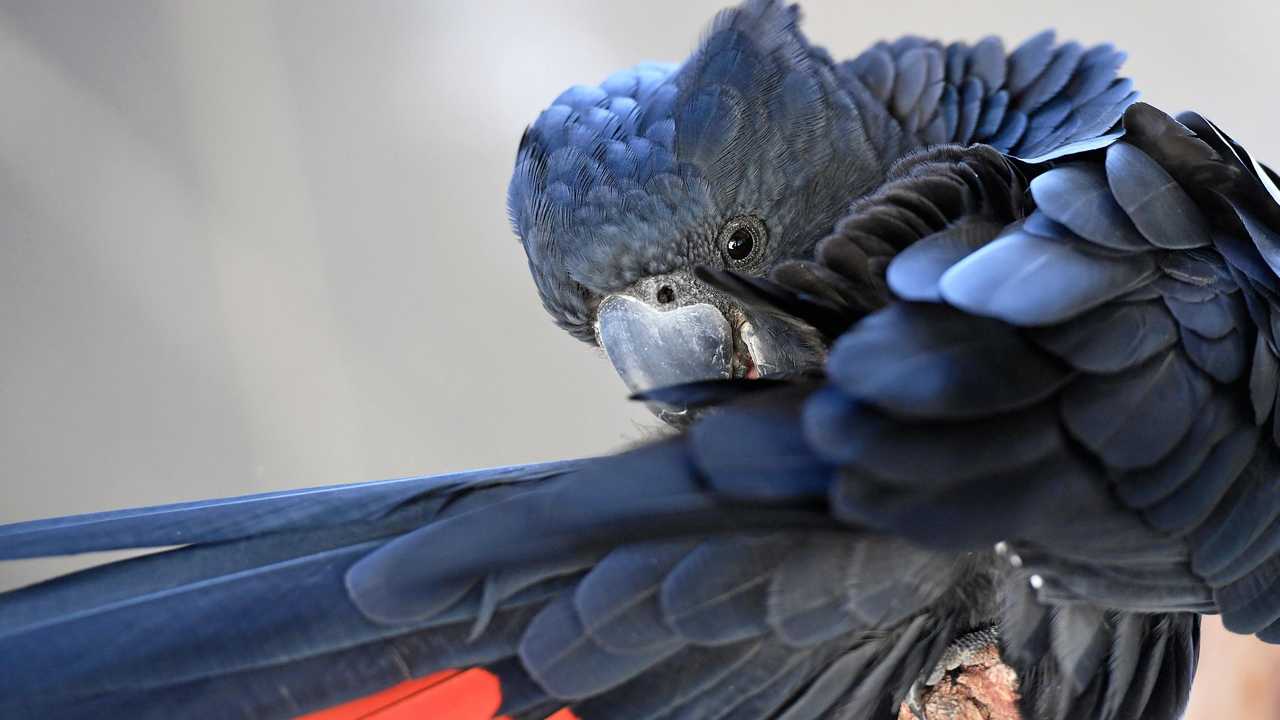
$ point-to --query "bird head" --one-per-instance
(741, 158)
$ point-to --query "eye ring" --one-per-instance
(742, 240)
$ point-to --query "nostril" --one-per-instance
(666, 295)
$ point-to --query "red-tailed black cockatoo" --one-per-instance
(960, 346)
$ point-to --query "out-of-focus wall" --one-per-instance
(248, 246)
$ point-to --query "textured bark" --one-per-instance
(982, 689)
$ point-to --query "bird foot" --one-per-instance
(977, 648)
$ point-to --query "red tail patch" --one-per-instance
(473, 694)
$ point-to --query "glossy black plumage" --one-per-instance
(1084, 372)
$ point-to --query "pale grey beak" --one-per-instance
(653, 348)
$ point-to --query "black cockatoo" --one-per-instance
(957, 344)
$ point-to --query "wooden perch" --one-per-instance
(982, 689)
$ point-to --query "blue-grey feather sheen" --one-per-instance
(635, 177)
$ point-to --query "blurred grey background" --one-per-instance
(257, 245)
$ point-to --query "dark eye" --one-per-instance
(742, 239)
(740, 244)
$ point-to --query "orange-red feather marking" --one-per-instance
(473, 694)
